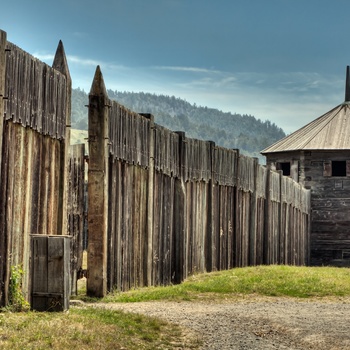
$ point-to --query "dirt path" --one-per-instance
(253, 324)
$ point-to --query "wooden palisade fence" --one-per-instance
(163, 206)
(34, 157)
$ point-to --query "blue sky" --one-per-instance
(282, 60)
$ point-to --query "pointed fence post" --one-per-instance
(2, 86)
(3, 258)
(150, 201)
(98, 187)
(60, 64)
(347, 85)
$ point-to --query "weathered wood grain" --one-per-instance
(50, 270)
(329, 200)
(34, 108)
(76, 210)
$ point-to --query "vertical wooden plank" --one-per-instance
(119, 225)
(189, 235)
(10, 200)
(39, 266)
(215, 228)
(143, 228)
(112, 213)
(55, 254)
(76, 209)
(125, 223)
(179, 214)
(36, 184)
(253, 216)
(28, 174)
(60, 63)
(3, 180)
(204, 224)
(208, 247)
(2, 86)
(267, 214)
(136, 221)
(16, 229)
(43, 219)
(98, 187)
(229, 210)
(150, 205)
(58, 271)
(179, 230)
(118, 231)
(279, 236)
(4, 258)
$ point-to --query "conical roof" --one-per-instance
(331, 131)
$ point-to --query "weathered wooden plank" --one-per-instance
(3, 41)
(76, 210)
(4, 258)
(150, 201)
(97, 187)
(112, 231)
(179, 232)
(39, 249)
(157, 215)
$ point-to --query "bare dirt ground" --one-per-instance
(256, 323)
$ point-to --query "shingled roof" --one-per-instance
(331, 131)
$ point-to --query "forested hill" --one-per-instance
(244, 132)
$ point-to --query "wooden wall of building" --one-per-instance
(163, 206)
(330, 220)
(330, 200)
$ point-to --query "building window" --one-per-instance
(285, 167)
(340, 168)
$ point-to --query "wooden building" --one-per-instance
(318, 156)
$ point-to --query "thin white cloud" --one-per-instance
(187, 69)
(82, 61)
(86, 62)
(43, 57)
(94, 63)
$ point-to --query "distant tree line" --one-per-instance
(230, 130)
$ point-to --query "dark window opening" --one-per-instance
(285, 167)
(338, 168)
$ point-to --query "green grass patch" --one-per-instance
(286, 281)
(97, 328)
(88, 328)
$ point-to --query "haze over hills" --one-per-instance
(229, 130)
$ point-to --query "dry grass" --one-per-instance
(89, 328)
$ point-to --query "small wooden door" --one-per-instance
(50, 268)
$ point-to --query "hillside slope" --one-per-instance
(244, 132)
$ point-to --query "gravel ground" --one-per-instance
(253, 323)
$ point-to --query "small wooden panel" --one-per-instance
(50, 270)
